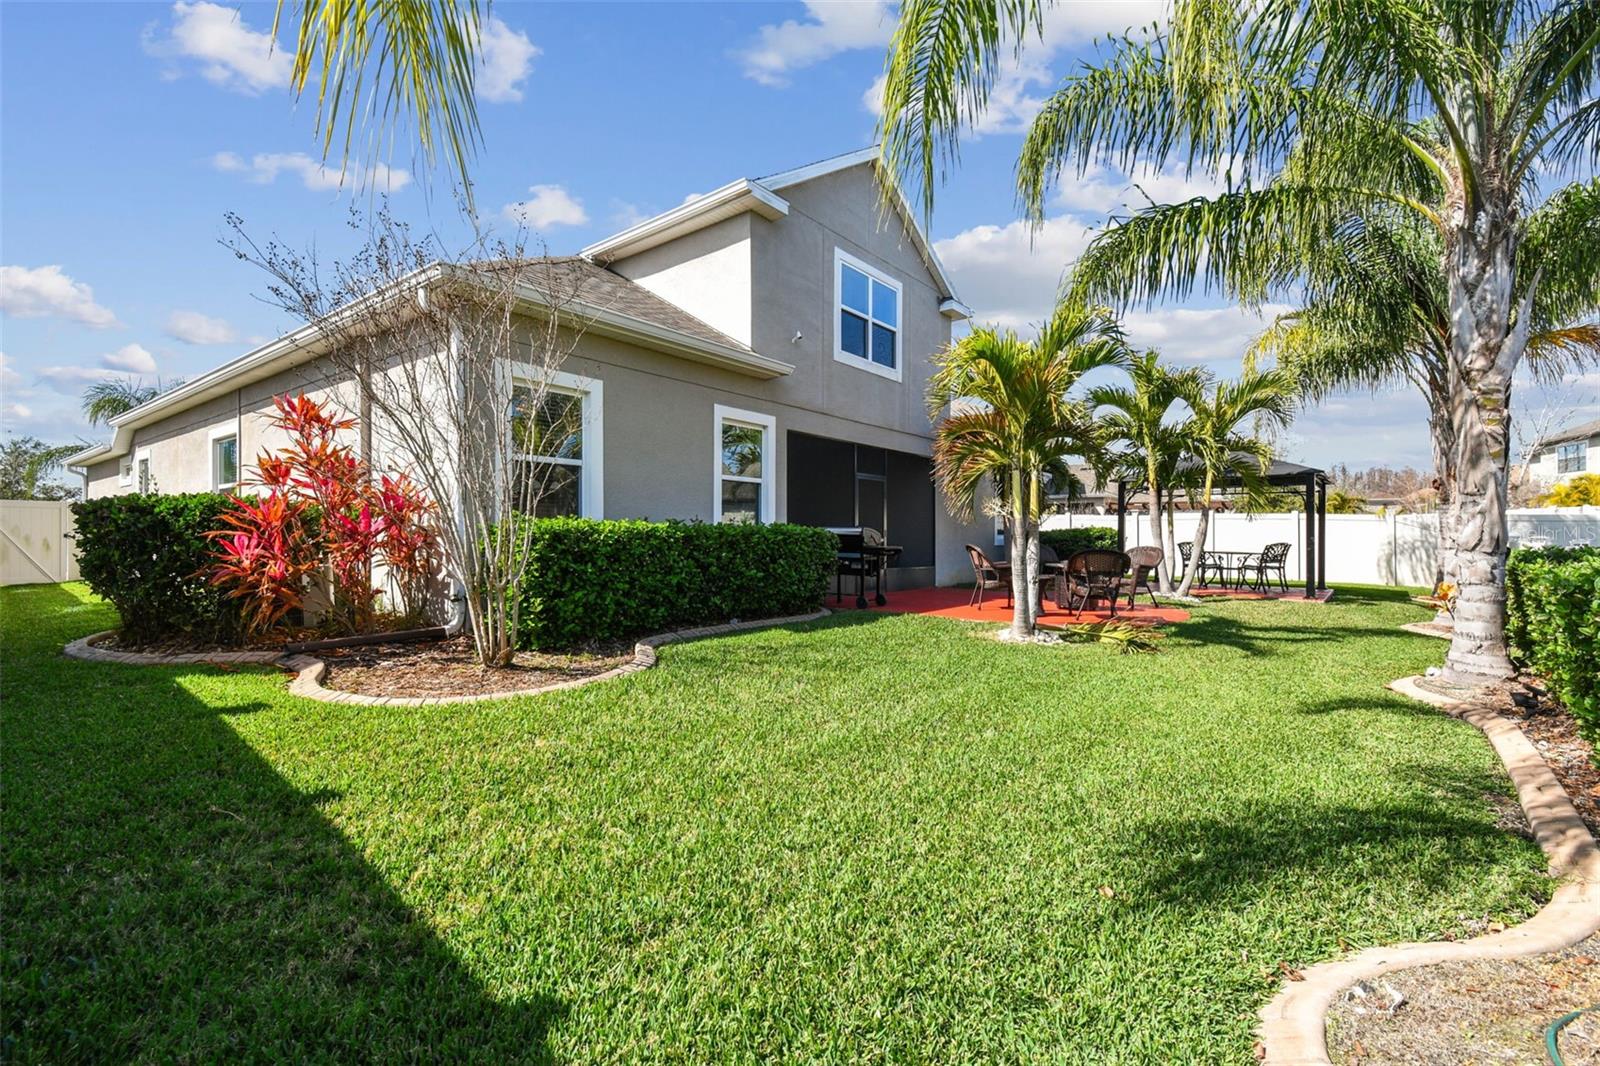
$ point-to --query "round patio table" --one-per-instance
(1225, 561)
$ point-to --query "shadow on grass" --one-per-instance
(1272, 639)
(169, 896)
(1201, 862)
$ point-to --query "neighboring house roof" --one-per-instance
(609, 303)
(1581, 431)
(760, 195)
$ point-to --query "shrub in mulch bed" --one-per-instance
(451, 668)
(590, 580)
(1553, 622)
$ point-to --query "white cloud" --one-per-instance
(550, 205)
(625, 215)
(263, 168)
(828, 29)
(15, 412)
(1191, 334)
(10, 380)
(505, 59)
(1010, 274)
(72, 379)
(133, 358)
(872, 99)
(225, 49)
(40, 292)
(1102, 190)
(192, 327)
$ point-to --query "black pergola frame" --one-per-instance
(1313, 483)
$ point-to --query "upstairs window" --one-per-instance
(1570, 458)
(868, 317)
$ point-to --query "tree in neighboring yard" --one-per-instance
(27, 467)
(1458, 112)
(1141, 415)
(1219, 448)
(1581, 491)
(452, 361)
(105, 400)
(1011, 419)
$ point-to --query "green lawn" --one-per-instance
(872, 838)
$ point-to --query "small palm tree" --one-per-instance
(105, 400)
(1011, 420)
(1140, 415)
(1219, 449)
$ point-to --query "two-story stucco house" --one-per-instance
(793, 310)
(1565, 454)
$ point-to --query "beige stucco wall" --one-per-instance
(707, 273)
(657, 419)
(1543, 468)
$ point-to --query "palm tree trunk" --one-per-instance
(1486, 343)
(1442, 436)
(1021, 617)
(1164, 568)
(1035, 608)
(1197, 549)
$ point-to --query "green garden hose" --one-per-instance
(1552, 1033)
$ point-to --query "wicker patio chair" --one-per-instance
(1143, 562)
(986, 576)
(1095, 574)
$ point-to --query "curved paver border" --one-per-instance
(1293, 1028)
(309, 670)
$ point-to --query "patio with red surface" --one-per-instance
(955, 601)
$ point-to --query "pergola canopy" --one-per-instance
(1310, 480)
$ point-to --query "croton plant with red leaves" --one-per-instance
(320, 508)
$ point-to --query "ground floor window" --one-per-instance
(146, 481)
(556, 435)
(742, 492)
(224, 461)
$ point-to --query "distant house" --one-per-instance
(1565, 454)
(791, 309)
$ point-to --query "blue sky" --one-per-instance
(128, 130)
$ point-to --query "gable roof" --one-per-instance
(609, 304)
(761, 196)
(1581, 431)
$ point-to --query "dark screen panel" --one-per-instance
(872, 504)
(822, 490)
(911, 507)
(871, 460)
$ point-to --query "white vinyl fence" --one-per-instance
(34, 544)
(1367, 549)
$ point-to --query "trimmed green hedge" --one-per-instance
(143, 552)
(1553, 622)
(613, 580)
(1068, 541)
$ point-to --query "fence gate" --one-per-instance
(34, 544)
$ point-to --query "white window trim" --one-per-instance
(142, 456)
(125, 471)
(223, 433)
(591, 391)
(768, 479)
(841, 258)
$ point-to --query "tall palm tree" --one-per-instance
(105, 400)
(1141, 416)
(1378, 316)
(1317, 111)
(382, 69)
(1011, 419)
(1219, 448)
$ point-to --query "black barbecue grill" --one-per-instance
(862, 554)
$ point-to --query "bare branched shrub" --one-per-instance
(451, 357)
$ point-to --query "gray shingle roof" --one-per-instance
(1581, 431)
(571, 277)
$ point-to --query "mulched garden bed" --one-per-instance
(1485, 1011)
(449, 668)
(1554, 732)
(184, 646)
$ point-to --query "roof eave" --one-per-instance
(734, 198)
